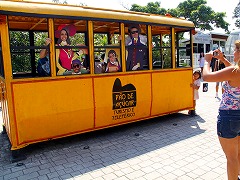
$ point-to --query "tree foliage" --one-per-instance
(20, 49)
(151, 7)
(236, 14)
(196, 11)
(20, 57)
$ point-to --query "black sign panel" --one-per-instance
(123, 96)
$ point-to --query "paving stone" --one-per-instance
(13, 175)
(188, 151)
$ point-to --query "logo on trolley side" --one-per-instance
(124, 100)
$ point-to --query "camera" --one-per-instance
(215, 53)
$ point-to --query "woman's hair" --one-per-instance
(68, 40)
(199, 73)
(201, 54)
(237, 46)
(112, 52)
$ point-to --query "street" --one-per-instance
(171, 147)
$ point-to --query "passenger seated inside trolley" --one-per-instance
(113, 64)
(77, 68)
(65, 56)
(43, 66)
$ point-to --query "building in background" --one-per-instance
(230, 44)
(205, 42)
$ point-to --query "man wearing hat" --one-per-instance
(64, 55)
(76, 68)
(136, 48)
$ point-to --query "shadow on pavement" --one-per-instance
(94, 150)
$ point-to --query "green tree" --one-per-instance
(236, 14)
(151, 7)
(20, 49)
(196, 11)
(20, 57)
(202, 15)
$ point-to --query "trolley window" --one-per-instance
(107, 52)
(136, 43)
(25, 44)
(71, 47)
(183, 57)
(161, 51)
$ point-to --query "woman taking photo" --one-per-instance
(228, 120)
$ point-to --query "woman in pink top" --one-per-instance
(228, 121)
(64, 55)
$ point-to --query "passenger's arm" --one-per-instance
(128, 40)
(217, 76)
(226, 62)
(61, 70)
(143, 39)
(136, 67)
(84, 71)
(80, 52)
(77, 54)
(43, 52)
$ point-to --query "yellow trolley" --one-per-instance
(38, 108)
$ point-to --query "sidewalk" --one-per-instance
(173, 147)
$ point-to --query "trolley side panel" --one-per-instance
(53, 109)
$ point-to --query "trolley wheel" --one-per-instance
(17, 155)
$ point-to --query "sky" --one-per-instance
(217, 6)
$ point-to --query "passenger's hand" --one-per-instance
(135, 67)
(119, 38)
(84, 50)
(48, 41)
(80, 52)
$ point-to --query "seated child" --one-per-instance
(112, 62)
(76, 68)
(43, 67)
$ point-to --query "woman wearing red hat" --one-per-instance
(65, 55)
